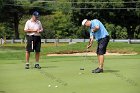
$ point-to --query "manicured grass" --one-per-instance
(78, 47)
(120, 74)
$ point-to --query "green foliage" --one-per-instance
(137, 32)
(1, 4)
(58, 25)
(47, 24)
(116, 31)
(2, 30)
(6, 31)
(22, 24)
(111, 29)
(121, 32)
(63, 7)
(62, 20)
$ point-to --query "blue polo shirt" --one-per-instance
(101, 33)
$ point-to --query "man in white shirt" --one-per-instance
(33, 28)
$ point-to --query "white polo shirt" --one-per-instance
(33, 25)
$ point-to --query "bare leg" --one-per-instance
(101, 61)
(37, 55)
(27, 56)
(98, 60)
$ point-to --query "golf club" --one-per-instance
(32, 45)
(31, 61)
(85, 59)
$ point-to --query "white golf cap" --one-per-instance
(84, 21)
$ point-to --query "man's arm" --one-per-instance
(30, 30)
(90, 42)
(41, 28)
(96, 28)
(26, 28)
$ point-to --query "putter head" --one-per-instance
(82, 69)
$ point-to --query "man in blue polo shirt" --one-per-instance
(99, 32)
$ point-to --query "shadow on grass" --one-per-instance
(2, 92)
(111, 71)
(49, 67)
(55, 61)
(9, 63)
(14, 47)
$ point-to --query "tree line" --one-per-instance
(62, 18)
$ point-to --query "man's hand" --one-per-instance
(88, 46)
(90, 43)
(38, 31)
(31, 30)
(95, 28)
(35, 30)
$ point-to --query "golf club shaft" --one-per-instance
(85, 58)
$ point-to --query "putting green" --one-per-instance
(63, 75)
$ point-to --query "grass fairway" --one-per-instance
(63, 75)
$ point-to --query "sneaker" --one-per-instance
(37, 66)
(27, 66)
(97, 70)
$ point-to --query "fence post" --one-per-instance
(1, 41)
(21, 41)
(129, 41)
(56, 41)
(113, 40)
(45, 40)
(12, 41)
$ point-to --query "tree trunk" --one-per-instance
(16, 23)
(130, 32)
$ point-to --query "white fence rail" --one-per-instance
(70, 40)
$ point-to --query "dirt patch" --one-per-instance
(88, 54)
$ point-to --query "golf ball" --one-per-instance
(80, 73)
(49, 85)
(56, 86)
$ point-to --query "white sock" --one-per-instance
(37, 63)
